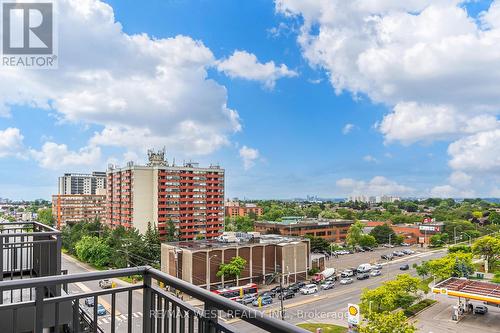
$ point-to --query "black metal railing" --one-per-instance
(162, 311)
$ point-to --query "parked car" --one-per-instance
(405, 244)
(364, 268)
(268, 293)
(293, 287)
(105, 284)
(331, 279)
(89, 301)
(408, 251)
(277, 289)
(263, 301)
(101, 311)
(367, 248)
(359, 249)
(328, 285)
(347, 273)
(247, 299)
(287, 294)
(377, 267)
(404, 267)
(480, 309)
(398, 253)
(375, 273)
(309, 289)
(363, 276)
(346, 281)
(388, 245)
(387, 256)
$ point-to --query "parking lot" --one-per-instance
(347, 261)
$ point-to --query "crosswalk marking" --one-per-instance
(123, 317)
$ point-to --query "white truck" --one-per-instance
(318, 277)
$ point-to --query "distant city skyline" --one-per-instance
(290, 97)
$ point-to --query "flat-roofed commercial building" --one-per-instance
(329, 229)
(73, 208)
(234, 209)
(198, 262)
(190, 196)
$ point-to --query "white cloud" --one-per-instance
(347, 128)
(152, 90)
(460, 179)
(370, 158)
(477, 153)
(448, 191)
(249, 156)
(58, 156)
(11, 142)
(435, 66)
(376, 186)
(246, 66)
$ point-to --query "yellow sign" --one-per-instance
(353, 314)
(353, 311)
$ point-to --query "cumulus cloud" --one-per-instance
(370, 158)
(249, 156)
(11, 142)
(476, 153)
(376, 186)
(433, 65)
(448, 191)
(244, 65)
(347, 128)
(144, 90)
(58, 156)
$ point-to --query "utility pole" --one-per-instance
(282, 311)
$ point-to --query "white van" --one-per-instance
(309, 289)
(364, 268)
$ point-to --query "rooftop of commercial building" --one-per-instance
(236, 239)
(299, 221)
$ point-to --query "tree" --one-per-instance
(436, 240)
(354, 234)
(93, 250)
(456, 264)
(329, 214)
(367, 241)
(494, 218)
(45, 216)
(460, 248)
(318, 243)
(489, 247)
(382, 234)
(171, 231)
(232, 269)
(152, 250)
(387, 322)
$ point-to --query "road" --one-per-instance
(330, 306)
(74, 266)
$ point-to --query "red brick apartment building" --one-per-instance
(190, 196)
(73, 208)
(234, 208)
(412, 234)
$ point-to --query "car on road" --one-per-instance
(263, 301)
(480, 309)
(346, 281)
(375, 273)
(404, 267)
(347, 273)
(405, 244)
(330, 279)
(105, 284)
(328, 285)
(309, 289)
(389, 245)
(363, 276)
(247, 299)
(268, 293)
(398, 254)
(101, 311)
(408, 251)
(287, 294)
(377, 267)
(387, 256)
(89, 301)
(277, 289)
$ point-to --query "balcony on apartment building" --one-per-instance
(36, 298)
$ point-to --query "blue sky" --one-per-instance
(289, 138)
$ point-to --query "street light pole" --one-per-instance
(455, 234)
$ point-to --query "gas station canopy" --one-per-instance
(470, 289)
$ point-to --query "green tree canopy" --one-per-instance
(93, 250)
(354, 234)
(45, 216)
(387, 322)
(382, 234)
(232, 269)
(489, 247)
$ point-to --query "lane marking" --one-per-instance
(106, 305)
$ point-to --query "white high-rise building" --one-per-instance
(76, 183)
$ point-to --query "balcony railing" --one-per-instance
(163, 312)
